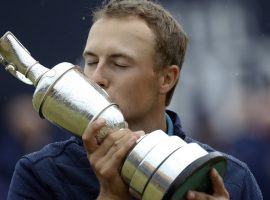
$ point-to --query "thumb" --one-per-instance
(218, 184)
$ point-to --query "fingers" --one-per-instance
(114, 147)
(106, 161)
(112, 160)
(109, 156)
(218, 184)
(126, 125)
(108, 142)
(193, 195)
(90, 133)
(126, 143)
(121, 142)
(118, 144)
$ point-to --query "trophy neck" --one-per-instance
(36, 72)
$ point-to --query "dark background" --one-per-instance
(227, 68)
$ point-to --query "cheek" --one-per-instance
(133, 87)
(136, 91)
(86, 71)
(127, 92)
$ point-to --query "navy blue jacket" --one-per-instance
(61, 171)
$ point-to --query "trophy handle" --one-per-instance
(18, 61)
(12, 70)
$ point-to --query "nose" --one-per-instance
(99, 76)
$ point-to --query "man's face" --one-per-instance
(119, 57)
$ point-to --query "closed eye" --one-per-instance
(120, 65)
(91, 64)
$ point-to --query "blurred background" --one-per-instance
(223, 96)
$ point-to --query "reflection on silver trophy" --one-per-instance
(157, 167)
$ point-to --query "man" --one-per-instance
(134, 51)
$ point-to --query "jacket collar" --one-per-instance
(177, 127)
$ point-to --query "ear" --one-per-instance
(168, 78)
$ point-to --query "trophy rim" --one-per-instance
(208, 161)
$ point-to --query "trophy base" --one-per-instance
(196, 176)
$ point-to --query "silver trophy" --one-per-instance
(157, 167)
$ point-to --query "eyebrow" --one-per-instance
(115, 55)
(123, 55)
(88, 53)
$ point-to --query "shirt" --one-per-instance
(61, 170)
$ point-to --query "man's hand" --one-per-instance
(107, 158)
(219, 190)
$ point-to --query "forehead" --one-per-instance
(123, 32)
